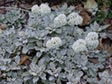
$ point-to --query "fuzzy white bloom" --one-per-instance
(54, 42)
(60, 20)
(92, 44)
(92, 40)
(35, 9)
(45, 9)
(79, 45)
(92, 36)
(74, 19)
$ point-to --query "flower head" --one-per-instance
(74, 19)
(35, 9)
(92, 40)
(92, 44)
(54, 42)
(60, 20)
(92, 36)
(79, 45)
(45, 9)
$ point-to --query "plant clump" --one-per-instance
(51, 48)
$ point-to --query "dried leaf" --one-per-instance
(100, 46)
(3, 26)
(25, 6)
(86, 17)
(79, 7)
(84, 14)
(2, 10)
(104, 44)
(109, 32)
(93, 60)
(24, 59)
(54, 7)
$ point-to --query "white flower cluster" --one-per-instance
(92, 40)
(74, 19)
(42, 9)
(45, 9)
(35, 9)
(54, 42)
(60, 20)
(79, 45)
